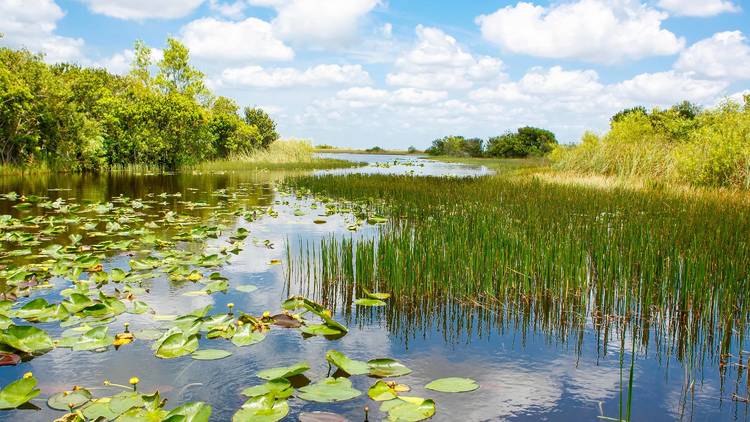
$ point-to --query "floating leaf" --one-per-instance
(329, 390)
(350, 366)
(176, 345)
(286, 321)
(189, 412)
(375, 295)
(284, 372)
(369, 302)
(244, 336)
(262, 409)
(210, 354)
(9, 359)
(382, 391)
(453, 385)
(387, 368)
(280, 388)
(18, 392)
(64, 400)
(96, 338)
(409, 409)
(320, 330)
(26, 338)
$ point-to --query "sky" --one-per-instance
(400, 73)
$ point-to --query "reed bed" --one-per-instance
(670, 268)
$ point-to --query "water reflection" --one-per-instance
(403, 165)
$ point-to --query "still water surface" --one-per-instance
(526, 371)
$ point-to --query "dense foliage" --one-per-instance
(682, 144)
(84, 119)
(525, 142)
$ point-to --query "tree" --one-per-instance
(526, 141)
(255, 116)
(176, 75)
(232, 135)
(457, 146)
(621, 114)
(140, 68)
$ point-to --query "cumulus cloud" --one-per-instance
(591, 30)
(234, 10)
(249, 39)
(437, 60)
(700, 8)
(321, 75)
(319, 22)
(143, 9)
(32, 23)
(667, 88)
(726, 55)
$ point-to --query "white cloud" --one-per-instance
(143, 9)
(417, 96)
(437, 60)
(667, 88)
(234, 10)
(319, 22)
(591, 30)
(544, 85)
(321, 75)
(726, 55)
(250, 39)
(32, 24)
(699, 7)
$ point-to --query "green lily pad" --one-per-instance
(381, 391)
(284, 372)
(409, 409)
(453, 385)
(375, 295)
(94, 339)
(244, 336)
(26, 339)
(329, 390)
(320, 330)
(176, 345)
(280, 388)
(63, 400)
(350, 366)
(210, 354)
(262, 409)
(189, 412)
(387, 368)
(369, 302)
(18, 392)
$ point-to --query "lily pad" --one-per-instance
(382, 391)
(284, 372)
(9, 359)
(376, 295)
(320, 330)
(409, 410)
(387, 368)
(189, 412)
(280, 388)
(95, 338)
(64, 400)
(18, 392)
(176, 345)
(453, 385)
(329, 390)
(262, 409)
(26, 338)
(343, 362)
(369, 302)
(210, 354)
(244, 336)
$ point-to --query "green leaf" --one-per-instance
(387, 368)
(320, 330)
(453, 385)
(284, 372)
(26, 339)
(18, 392)
(189, 412)
(280, 388)
(176, 345)
(350, 366)
(96, 338)
(369, 302)
(210, 354)
(375, 295)
(262, 409)
(245, 336)
(408, 411)
(63, 400)
(329, 390)
(381, 391)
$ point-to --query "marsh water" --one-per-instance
(527, 368)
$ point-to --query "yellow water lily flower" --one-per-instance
(134, 380)
(266, 314)
(27, 375)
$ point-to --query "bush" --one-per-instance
(527, 141)
(456, 146)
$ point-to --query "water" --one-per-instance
(527, 370)
(403, 164)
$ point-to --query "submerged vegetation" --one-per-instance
(72, 118)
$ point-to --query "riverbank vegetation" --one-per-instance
(72, 118)
(524, 142)
(680, 145)
(280, 155)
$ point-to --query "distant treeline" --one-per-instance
(524, 142)
(684, 144)
(75, 118)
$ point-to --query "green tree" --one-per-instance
(176, 75)
(526, 141)
(140, 69)
(232, 135)
(255, 116)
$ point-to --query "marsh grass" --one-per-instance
(667, 268)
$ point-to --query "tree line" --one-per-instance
(76, 118)
(524, 142)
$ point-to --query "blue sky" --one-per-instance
(403, 72)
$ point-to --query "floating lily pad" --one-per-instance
(369, 302)
(350, 366)
(375, 295)
(64, 400)
(26, 339)
(329, 390)
(387, 368)
(18, 392)
(9, 359)
(189, 412)
(210, 354)
(176, 345)
(284, 372)
(94, 339)
(280, 388)
(409, 409)
(262, 409)
(244, 336)
(320, 330)
(383, 391)
(453, 385)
